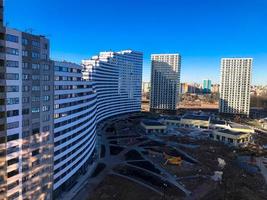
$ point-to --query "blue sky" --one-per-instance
(201, 31)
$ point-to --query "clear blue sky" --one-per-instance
(201, 31)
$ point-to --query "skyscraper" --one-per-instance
(165, 82)
(235, 85)
(206, 86)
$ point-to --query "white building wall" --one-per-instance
(235, 85)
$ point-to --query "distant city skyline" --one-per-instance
(201, 32)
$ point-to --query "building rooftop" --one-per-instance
(151, 122)
(174, 118)
(221, 122)
(239, 126)
(227, 131)
(196, 117)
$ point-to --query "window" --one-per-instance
(35, 152)
(25, 100)
(35, 98)
(25, 111)
(12, 38)
(25, 76)
(12, 137)
(12, 113)
(35, 109)
(46, 128)
(46, 98)
(46, 108)
(46, 118)
(46, 87)
(12, 173)
(24, 41)
(25, 88)
(12, 149)
(35, 43)
(11, 63)
(35, 131)
(35, 77)
(35, 66)
(25, 65)
(12, 76)
(12, 161)
(12, 88)
(46, 67)
(13, 185)
(46, 78)
(35, 55)
(12, 101)
(12, 125)
(24, 53)
(35, 88)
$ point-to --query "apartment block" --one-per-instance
(235, 85)
(117, 78)
(74, 125)
(165, 82)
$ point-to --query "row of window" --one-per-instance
(67, 96)
(74, 103)
(71, 112)
(67, 69)
(70, 169)
(35, 66)
(9, 138)
(71, 87)
(63, 123)
(26, 88)
(35, 77)
(72, 152)
(67, 78)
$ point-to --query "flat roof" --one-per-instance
(196, 117)
(239, 126)
(152, 123)
(221, 122)
(227, 131)
(174, 118)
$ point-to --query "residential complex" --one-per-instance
(50, 109)
(117, 78)
(235, 85)
(165, 82)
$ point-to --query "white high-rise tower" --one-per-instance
(235, 85)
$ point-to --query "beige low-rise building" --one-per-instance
(153, 126)
(232, 138)
(199, 121)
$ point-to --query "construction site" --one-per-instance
(182, 163)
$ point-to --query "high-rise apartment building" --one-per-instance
(117, 78)
(206, 86)
(235, 85)
(74, 125)
(165, 82)
(28, 113)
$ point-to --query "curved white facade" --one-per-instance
(111, 85)
(117, 78)
(74, 121)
